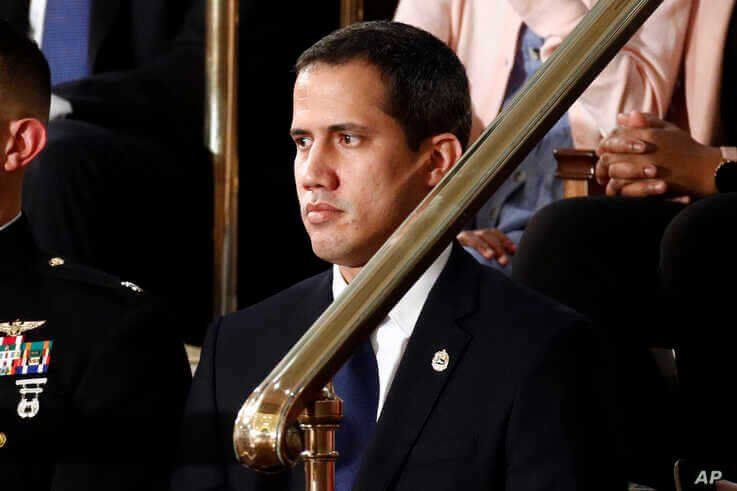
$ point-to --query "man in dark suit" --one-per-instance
(92, 378)
(125, 182)
(470, 382)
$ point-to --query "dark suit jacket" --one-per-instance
(515, 410)
(116, 382)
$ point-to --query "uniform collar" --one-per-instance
(407, 310)
(11, 222)
(17, 248)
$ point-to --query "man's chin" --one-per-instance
(333, 251)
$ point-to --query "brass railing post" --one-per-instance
(318, 423)
(351, 11)
(222, 142)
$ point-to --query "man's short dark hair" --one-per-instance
(427, 86)
(25, 81)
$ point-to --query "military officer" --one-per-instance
(92, 380)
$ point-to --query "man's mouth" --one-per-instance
(320, 212)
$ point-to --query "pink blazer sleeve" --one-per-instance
(641, 76)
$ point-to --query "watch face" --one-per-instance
(725, 177)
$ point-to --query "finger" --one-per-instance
(640, 188)
(492, 240)
(601, 171)
(495, 243)
(629, 170)
(635, 187)
(638, 119)
(684, 200)
(623, 144)
(468, 238)
(507, 243)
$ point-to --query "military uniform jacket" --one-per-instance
(92, 388)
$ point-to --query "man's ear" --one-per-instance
(445, 150)
(26, 138)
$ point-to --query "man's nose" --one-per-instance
(318, 169)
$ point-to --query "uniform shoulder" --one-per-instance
(57, 268)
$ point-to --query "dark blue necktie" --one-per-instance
(357, 383)
(66, 39)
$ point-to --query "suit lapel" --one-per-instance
(416, 386)
(103, 15)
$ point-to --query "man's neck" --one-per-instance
(10, 198)
(349, 273)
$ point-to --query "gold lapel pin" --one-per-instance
(440, 361)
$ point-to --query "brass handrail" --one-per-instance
(265, 437)
(221, 135)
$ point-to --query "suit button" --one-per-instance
(519, 176)
(3, 439)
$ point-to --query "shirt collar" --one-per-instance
(406, 312)
(11, 222)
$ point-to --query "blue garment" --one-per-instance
(533, 185)
(66, 39)
(357, 383)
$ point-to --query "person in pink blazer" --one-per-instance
(489, 37)
(657, 254)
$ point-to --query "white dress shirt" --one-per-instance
(60, 107)
(36, 18)
(390, 339)
(11, 222)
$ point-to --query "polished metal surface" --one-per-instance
(351, 11)
(318, 424)
(264, 434)
(222, 142)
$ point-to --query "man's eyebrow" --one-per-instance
(298, 132)
(336, 128)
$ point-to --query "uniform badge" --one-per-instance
(18, 327)
(440, 361)
(19, 358)
(35, 358)
(10, 353)
(30, 389)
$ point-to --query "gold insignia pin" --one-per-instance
(440, 361)
(55, 262)
(131, 286)
(18, 327)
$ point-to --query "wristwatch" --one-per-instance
(725, 175)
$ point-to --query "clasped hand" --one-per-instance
(647, 156)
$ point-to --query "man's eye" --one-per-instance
(351, 140)
(302, 142)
